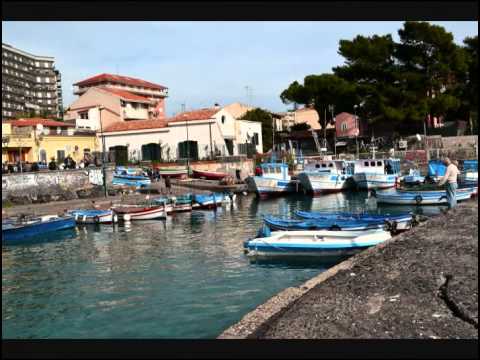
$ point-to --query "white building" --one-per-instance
(209, 132)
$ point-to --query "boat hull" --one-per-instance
(319, 183)
(38, 228)
(314, 243)
(420, 197)
(265, 187)
(208, 175)
(369, 181)
(130, 180)
(94, 216)
(140, 213)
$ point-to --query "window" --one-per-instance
(324, 165)
(223, 119)
(46, 64)
(60, 155)
(39, 94)
(365, 163)
(255, 139)
(83, 115)
(330, 165)
(379, 163)
(47, 80)
(317, 166)
(372, 163)
(37, 63)
(39, 79)
(278, 170)
(344, 126)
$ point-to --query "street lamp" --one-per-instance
(100, 108)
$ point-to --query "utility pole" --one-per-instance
(211, 146)
(100, 108)
(427, 152)
(356, 129)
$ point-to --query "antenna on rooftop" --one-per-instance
(183, 107)
(249, 91)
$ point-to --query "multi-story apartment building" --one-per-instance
(29, 83)
(155, 93)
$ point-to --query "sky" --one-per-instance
(202, 63)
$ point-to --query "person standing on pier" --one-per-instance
(450, 177)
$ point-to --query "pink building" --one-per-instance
(145, 89)
(347, 126)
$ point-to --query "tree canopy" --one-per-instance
(266, 119)
(397, 83)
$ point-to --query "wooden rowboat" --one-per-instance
(208, 175)
(140, 212)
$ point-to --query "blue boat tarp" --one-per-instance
(436, 168)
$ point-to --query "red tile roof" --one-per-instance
(136, 125)
(118, 79)
(35, 121)
(127, 95)
(202, 114)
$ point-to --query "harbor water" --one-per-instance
(186, 277)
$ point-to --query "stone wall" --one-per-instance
(456, 142)
(50, 185)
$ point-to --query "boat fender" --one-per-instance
(418, 199)
(115, 218)
(84, 218)
(96, 219)
(126, 217)
(76, 217)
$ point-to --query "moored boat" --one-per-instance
(325, 176)
(405, 197)
(403, 221)
(277, 224)
(140, 212)
(314, 243)
(208, 175)
(28, 228)
(173, 172)
(93, 216)
(130, 177)
(376, 173)
(274, 180)
(210, 201)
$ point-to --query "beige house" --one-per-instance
(305, 115)
(117, 106)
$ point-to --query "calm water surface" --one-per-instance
(186, 277)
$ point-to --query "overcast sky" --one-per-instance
(200, 62)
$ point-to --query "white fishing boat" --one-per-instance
(323, 243)
(405, 197)
(326, 176)
(274, 180)
(93, 216)
(376, 173)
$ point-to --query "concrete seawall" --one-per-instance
(420, 284)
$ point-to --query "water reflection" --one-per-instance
(186, 277)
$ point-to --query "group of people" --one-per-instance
(154, 175)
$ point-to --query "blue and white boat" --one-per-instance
(314, 243)
(277, 224)
(24, 229)
(274, 180)
(376, 173)
(405, 197)
(402, 221)
(209, 201)
(326, 176)
(130, 177)
(93, 216)
(413, 177)
(469, 175)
